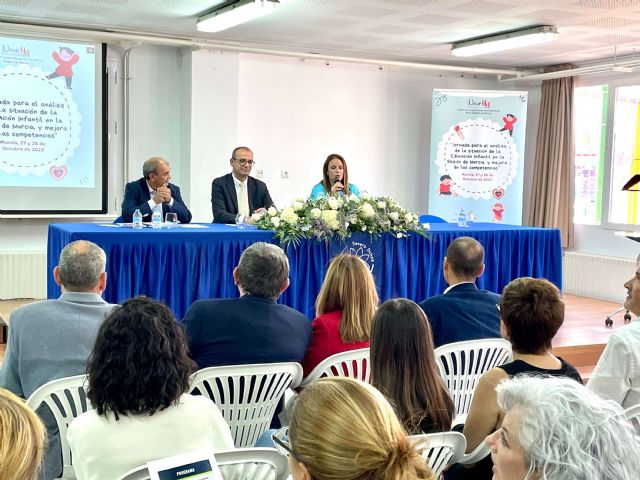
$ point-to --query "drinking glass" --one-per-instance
(171, 219)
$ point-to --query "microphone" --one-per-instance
(335, 180)
(608, 322)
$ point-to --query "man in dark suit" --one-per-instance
(236, 196)
(463, 312)
(252, 328)
(154, 192)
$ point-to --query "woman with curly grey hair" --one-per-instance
(556, 429)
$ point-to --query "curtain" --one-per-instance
(553, 175)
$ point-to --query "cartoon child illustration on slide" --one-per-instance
(509, 119)
(65, 60)
(445, 185)
(498, 210)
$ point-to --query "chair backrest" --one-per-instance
(633, 415)
(247, 395)
(462, 364)
(66, 399)
(440, 449)
(238, 464)
(354, 364)
(431, 219)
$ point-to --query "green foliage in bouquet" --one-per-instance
(326, 218)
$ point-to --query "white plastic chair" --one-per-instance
(440, 449)
(247, 395)
(633, 415)
(462, 364)
(354, 364)
(66, 399)
(238, 464)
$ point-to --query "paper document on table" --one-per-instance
(191, 225)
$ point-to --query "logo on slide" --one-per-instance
(58, 173)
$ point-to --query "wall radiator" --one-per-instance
(23, 275)
(598, 277)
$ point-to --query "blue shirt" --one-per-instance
(318, 191)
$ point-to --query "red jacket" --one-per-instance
(326, 341)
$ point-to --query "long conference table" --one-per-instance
(188, 263)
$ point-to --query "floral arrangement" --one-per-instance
(326, 218)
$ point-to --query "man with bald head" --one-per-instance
(236, 195)
(153, 192)
(52, 339)
(463, 312)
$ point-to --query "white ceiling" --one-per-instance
(410, 30)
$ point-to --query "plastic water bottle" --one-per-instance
(462, 219)
(471, 218)
(156, 219)
(137, 219)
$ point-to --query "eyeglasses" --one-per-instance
(243, 162)
(281, 442)
(498, 307)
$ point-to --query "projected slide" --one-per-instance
(47, 113)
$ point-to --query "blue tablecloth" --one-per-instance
(179, 266)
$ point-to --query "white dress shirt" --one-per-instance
(242, 195)
(153, 205)
(617, 374)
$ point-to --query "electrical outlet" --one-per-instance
(259, 173)
(284, 173)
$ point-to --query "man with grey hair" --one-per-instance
(252, 328)
(153, 192)
(463, 312)
(52, 339)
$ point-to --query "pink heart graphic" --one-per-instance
(58, 173)
(498, 193)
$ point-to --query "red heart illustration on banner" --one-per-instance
(58, 173)
(498, 193)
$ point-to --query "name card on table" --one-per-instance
(197, 465)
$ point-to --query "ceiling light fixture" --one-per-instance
(233, 13)
(505, 41)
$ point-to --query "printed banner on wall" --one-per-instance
(477, 153)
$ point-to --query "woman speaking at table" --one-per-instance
(335, 179)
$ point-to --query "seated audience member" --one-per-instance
(335, 179)
(153, 192)
(344, 429)
(344, 309)
(138, 378)
(404, 369)
(22, 439)
(52, 339)
(617, 374)
(555, 429)
(463, 312)
(236, 195)
(531, 312)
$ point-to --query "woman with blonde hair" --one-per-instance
(22, 438)
(345, 429)
(344, 310)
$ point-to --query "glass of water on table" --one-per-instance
(171, 219)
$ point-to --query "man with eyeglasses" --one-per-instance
(236, 196)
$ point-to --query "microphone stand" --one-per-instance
(609, 323)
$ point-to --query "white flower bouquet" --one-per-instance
(327, 218)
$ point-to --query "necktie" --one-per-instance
(243, 201)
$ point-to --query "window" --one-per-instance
(625, 157)
(590, 107)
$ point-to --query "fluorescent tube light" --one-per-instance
(505, 41)
(232, 14)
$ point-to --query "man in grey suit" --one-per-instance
(236, 195)
(52, 339)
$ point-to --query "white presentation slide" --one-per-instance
(51, 126)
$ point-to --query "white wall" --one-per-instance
(294, 113)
